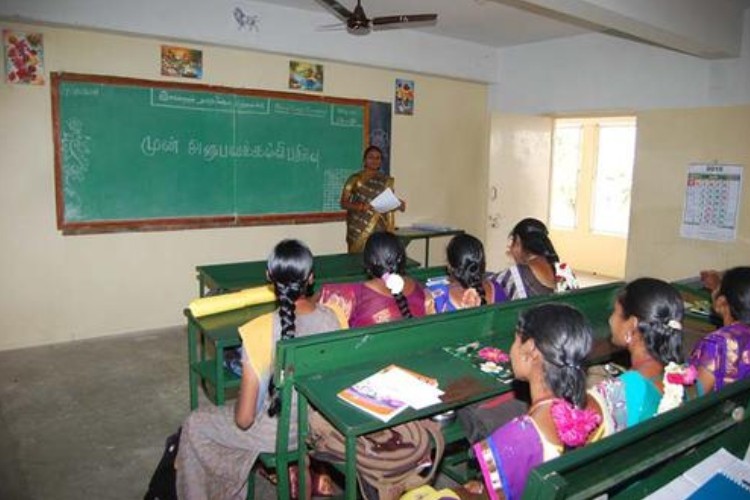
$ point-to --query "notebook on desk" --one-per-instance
(721, 475)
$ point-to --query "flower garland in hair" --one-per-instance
(676, 377)
(572, 424)
(393, 282)
(564, 278)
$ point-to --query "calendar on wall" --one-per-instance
(712, 202)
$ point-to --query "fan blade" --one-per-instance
(403, 19)
(331, 27)
(339, 9)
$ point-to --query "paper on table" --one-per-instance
(385, 201)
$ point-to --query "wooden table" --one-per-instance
(230, 277)
(408, 234)
(462, 382)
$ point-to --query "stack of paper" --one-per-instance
(385, 201)
(390, 391)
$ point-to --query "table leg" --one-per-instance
(219, 372)
(350, 487)
(192, 376)
(201, 285)
(427, 252)
(302, 462)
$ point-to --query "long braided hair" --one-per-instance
(289, 269)
(659, 309)
(467, 263)
(385, 254)
(563, 336)
(534, 238)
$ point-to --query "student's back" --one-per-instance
(466, 284)
(537, 269)
(723, 356)
(219, 445)
(388, 296)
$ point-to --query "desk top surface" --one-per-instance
(238, 275)
(411, 232)
(462, 382)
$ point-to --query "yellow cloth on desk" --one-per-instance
(229, 301)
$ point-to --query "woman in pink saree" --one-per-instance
(388, 296)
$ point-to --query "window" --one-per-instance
(592, 169)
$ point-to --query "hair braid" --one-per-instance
(289, 269)
(403, 305)
(467, 263)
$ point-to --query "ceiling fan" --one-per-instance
(358, 23)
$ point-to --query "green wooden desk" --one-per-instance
(230, 277)
(409, 234)
(320, 366)
(209, 336)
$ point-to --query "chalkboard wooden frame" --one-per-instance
(195, 222)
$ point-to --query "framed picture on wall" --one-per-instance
(24, 57)
(404, 98)
(305, 76)
(182, 62)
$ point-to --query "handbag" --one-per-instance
(162, 485)
(389, 462)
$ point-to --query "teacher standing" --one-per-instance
(360, 189)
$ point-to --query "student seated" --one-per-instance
(465, 286)
(647, 321)
(219, 445)
(389, 295)
(537, 269)
(723, 356)
(551, 344)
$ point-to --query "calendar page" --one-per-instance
(712, 202)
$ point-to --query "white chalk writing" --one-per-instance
(150, 146)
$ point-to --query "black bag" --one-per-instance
(479, 420)
(163, 484)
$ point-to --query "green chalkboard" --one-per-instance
(133, 154)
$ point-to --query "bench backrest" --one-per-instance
(337, 350)
(639, 460)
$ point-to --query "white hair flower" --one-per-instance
(394, 283)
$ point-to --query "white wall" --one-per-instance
(688, 110)
(599, 72)
(58, 288)
(280, 30)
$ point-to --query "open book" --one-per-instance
(390, 391)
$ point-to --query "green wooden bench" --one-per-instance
(320, 366)
(209, 336)
(643, 458)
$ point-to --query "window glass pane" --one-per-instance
(566, 162)
(614, 175)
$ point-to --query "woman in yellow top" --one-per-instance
(360, 189)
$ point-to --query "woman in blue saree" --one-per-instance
(647, 321)
(466, 284)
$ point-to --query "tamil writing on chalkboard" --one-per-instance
(136, 153)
